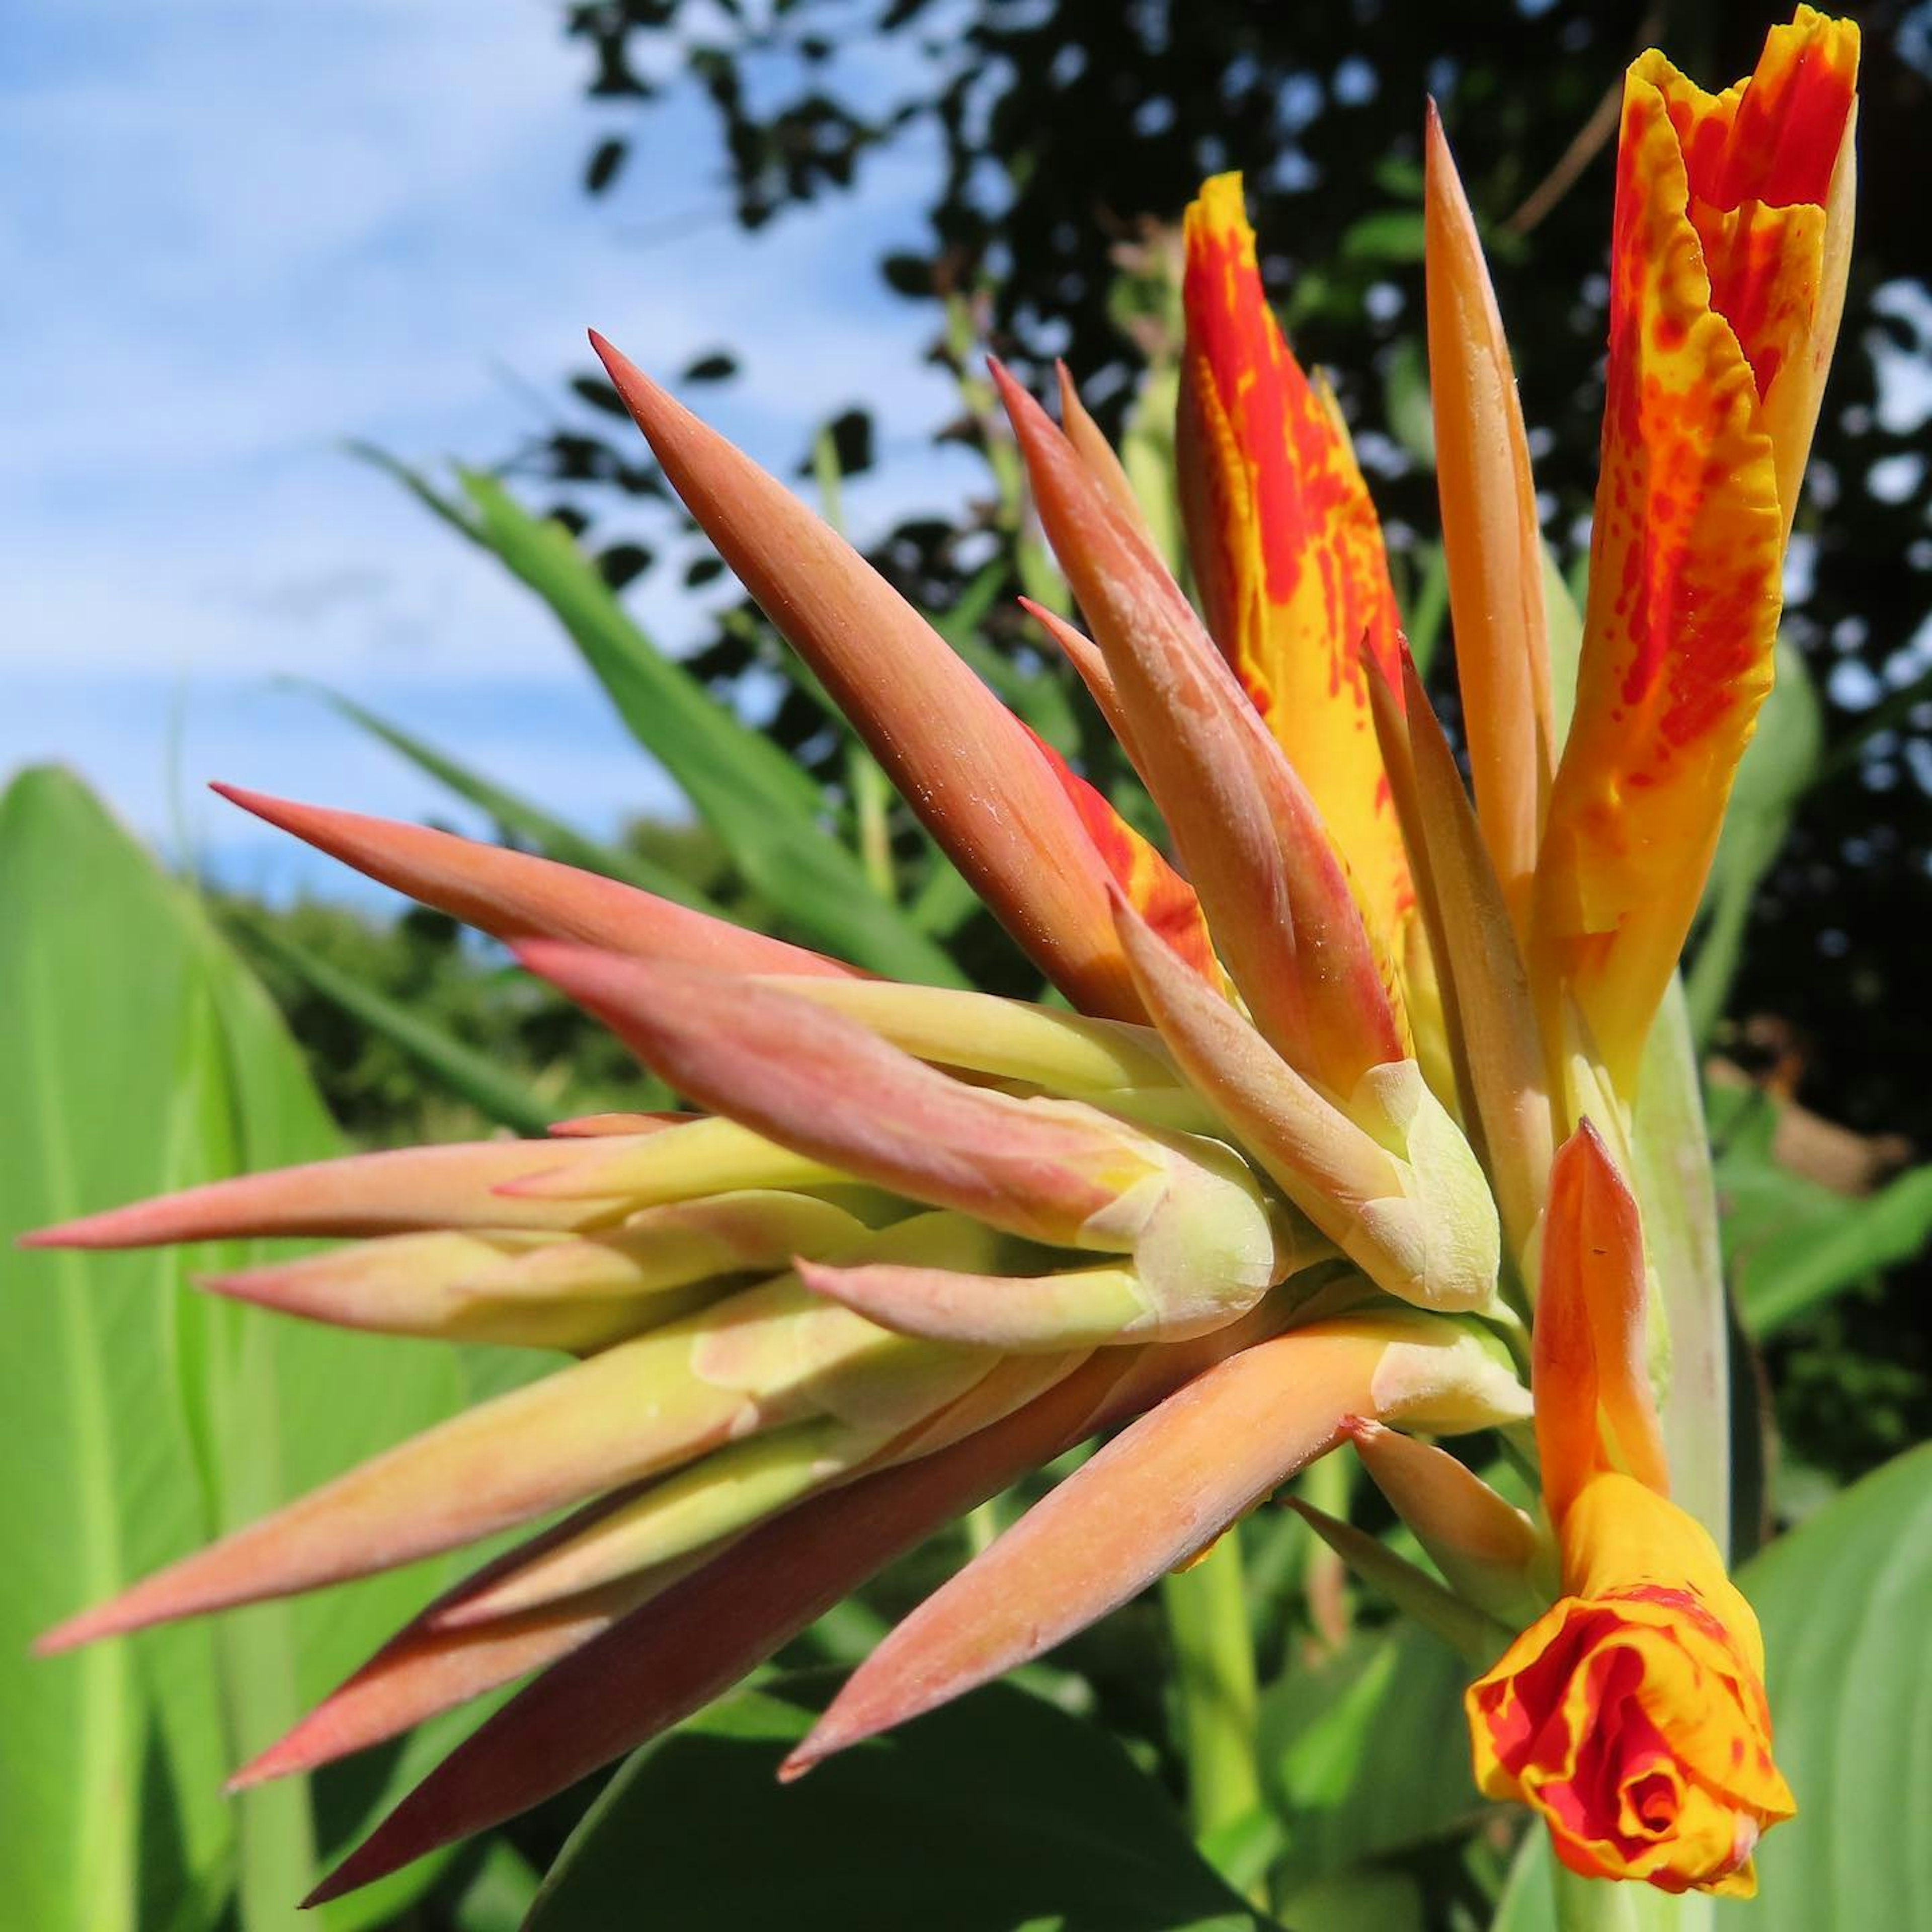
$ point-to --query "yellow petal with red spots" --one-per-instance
(1760, 159)
(1714, 293)
(1286, 548)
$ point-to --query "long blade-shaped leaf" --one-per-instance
(471, 1075)
(763, 807)
(138, 1055)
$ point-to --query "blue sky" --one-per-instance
(255, 228)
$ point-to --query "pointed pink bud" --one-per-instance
(427, 1667)
(1078, 1307)
(1496, 1042)
(959, 758)
(1086, 658)
(1248, 835)
(513, 896)
(1158, 1492)
(428, 1285)
(815, 1081)
(389, 1193)
(656, 1667)
(1489, 534)
(1103, 465)
(1486, 1547)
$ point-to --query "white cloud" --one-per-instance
(259, 228)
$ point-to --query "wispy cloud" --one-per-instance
(256, 232)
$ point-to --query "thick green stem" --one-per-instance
(1600, 1905)
(1207, 1616)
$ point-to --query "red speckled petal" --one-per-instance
(1684, 594)
(1286, 547)
(1760, 159)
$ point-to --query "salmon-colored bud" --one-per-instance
(1274, 889)
(1632, 1714)
(1158, 1492)
(1490, 536)
(1286, 547)
(1716, 295)
(1495, 1048)
(513, 896)
(1401, 1195)
(1487, 1547)
(1088, 661)
(821, 1083)
(1594, 1410)
(436, 1284)
(397, 1192)
(962, 761)
(1098, 453)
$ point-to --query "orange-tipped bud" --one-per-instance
(1490, 536)
(1158, 1492)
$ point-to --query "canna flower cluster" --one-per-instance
(1331, 1145)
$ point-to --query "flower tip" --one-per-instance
(273, 1763)
(650, 404)
(1021, 404)
(89, 1627)
(114, 1228)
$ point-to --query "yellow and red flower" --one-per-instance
(1285, 1175)
(1632, 1713)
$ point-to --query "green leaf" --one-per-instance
(1791, 1242)
(139, 1057)
(549, 834)
(1394, 235)
(763, 808)
(473, 1075)
(1369, 1751)
(1846, 1601)
(996, 1813)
